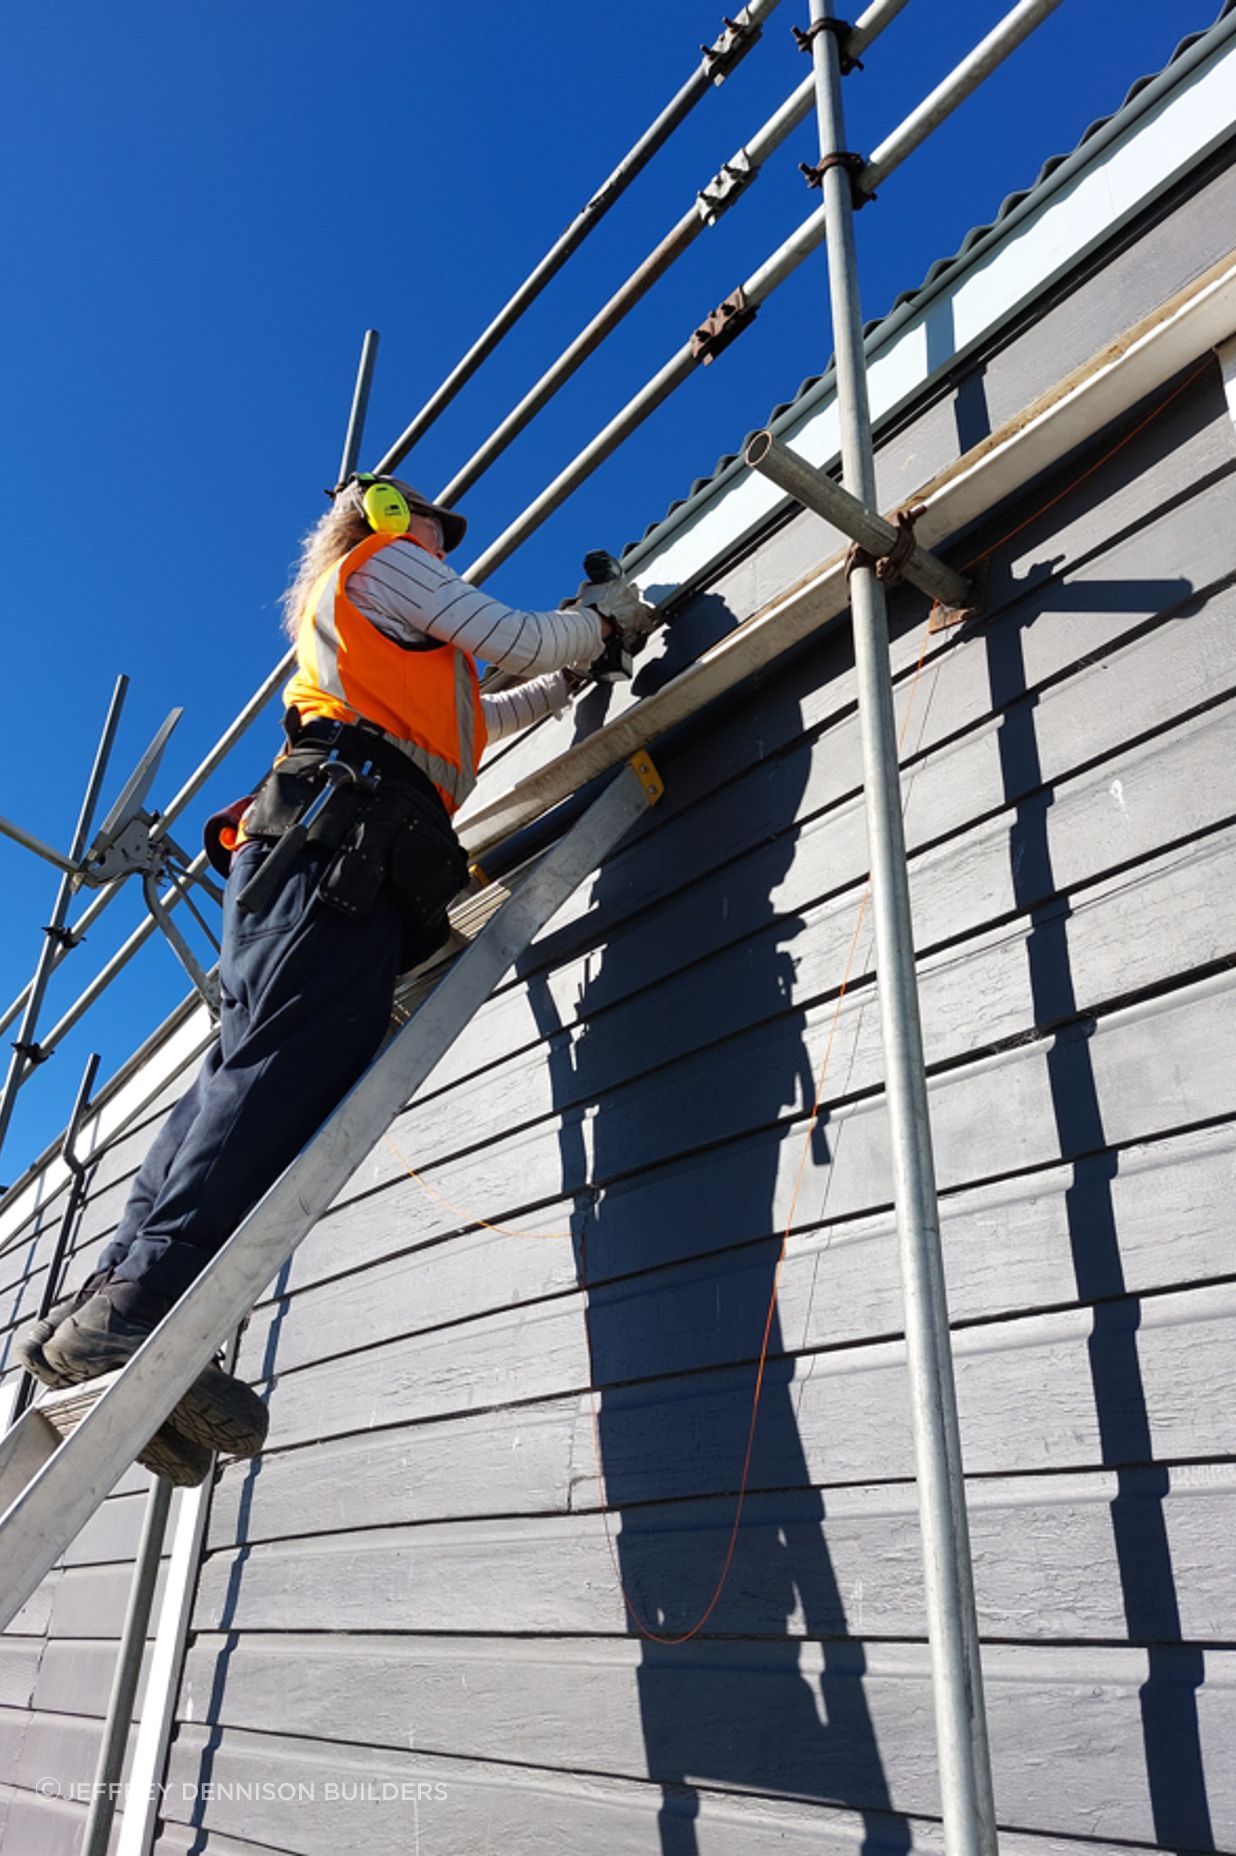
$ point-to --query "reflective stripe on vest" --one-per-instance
(426, 701)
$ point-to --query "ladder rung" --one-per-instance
(68, 1405)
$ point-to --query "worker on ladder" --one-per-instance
(339, 872)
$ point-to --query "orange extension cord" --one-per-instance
(645, 1629)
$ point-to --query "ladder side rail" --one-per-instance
(105, 1790)
(143, 1799)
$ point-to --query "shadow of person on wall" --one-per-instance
(768, 1695)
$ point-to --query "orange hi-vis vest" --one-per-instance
(427, 701)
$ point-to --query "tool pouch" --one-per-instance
(428, 870)
(286, 792)
(396, 834)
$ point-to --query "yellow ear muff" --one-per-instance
(386, 511)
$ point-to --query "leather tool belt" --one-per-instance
(345, 786)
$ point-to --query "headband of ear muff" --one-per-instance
(384, 504)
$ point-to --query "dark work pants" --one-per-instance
(306, 1002)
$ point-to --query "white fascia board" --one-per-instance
(1007, 269)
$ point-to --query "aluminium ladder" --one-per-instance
(66, 1453)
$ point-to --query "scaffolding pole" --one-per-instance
(717, 62)
(50, 1292)
(105, 1791)
(27, 1052)
(360, 406)
(817, 492)
(712, 200)
(952, 1629)
(1005, 36)
(1003, 39)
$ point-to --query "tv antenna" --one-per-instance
(130, 842)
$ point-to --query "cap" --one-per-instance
(454, 526)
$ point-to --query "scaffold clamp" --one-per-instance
(890, 567)
(724, 187)
(63, 935)
(728, 50)
(723, 326)
(814, 172)
(840, 29)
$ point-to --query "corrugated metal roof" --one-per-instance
(942, 265)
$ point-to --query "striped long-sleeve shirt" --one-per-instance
(415, 599)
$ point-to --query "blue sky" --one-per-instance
(205, 207)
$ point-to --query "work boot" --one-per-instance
(182, 1461)
(168, 1453)
(218, 1410)
(28, 1341)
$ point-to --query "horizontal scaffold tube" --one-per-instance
(998, 44)
(743, 168)
(736, 173)
(817, 492)
(745, 29)
(868, 26)
(756, 290)
(1005, 36)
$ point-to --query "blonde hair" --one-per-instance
(340, 529)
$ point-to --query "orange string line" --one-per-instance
(469, 1217)
(1090, 469)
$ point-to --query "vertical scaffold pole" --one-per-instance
(961, 1727)
(350, 456)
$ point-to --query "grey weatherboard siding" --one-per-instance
(413, 1586)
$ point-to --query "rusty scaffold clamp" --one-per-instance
(722, 326)
(888, 567)
(814, 172)
(840, 29)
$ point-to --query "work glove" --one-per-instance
(609, 593)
